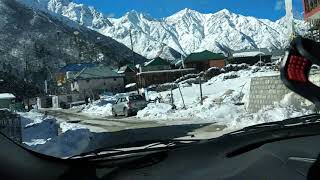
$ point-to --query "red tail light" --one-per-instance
(297, 68)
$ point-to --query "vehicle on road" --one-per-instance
(128, 105)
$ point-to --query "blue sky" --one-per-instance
(269, 9)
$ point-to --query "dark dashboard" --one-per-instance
(286, 152)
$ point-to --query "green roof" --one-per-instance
(157, 62)
(96, 73)
(204, 56)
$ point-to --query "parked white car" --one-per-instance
(128, 105)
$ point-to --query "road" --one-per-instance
(112, 124)
(107, 123)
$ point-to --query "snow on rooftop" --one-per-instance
(7, 96)
(248, 54)
(131, 85)
(165, 71)
(147, 63)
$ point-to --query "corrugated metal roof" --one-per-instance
(204, 56)
(96, 73)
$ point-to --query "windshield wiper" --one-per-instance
(136, 148)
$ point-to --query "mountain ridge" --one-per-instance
(180, 34)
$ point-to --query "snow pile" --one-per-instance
(155, 111)
(64, 126)
(41, 134)
(267, 114)
(70, 143)
(37, 128)
(225, 99)
(100, 108)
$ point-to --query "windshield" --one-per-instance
(194, 69)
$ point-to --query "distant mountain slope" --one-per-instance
(36, 44)
(185, 32)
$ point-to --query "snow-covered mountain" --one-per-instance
(182, 33)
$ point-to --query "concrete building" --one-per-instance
(204, 60)
(95, 80)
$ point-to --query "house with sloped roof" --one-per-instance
(129, 72)
(155, 64)
(204, 60)
(159, 71)
(94, 80)
(69, 70)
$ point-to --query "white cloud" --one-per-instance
(279, 5)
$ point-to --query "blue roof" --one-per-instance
(76, 67)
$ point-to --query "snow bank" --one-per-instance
(225, 99)
(70, 143)
(41, 134)
(100, 108)
(37, 128)
(158, 111)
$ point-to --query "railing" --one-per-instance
(10, 125)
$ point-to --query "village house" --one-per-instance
(159, 71)
(69, 70)
(94, 80)
(250, 57)
(204, 60)
(129, 72)
(156, 64)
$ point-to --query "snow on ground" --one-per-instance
(221, 96)
(41, 133)
(37, 128)
(98, 108)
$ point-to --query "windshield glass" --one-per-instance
(195, 69)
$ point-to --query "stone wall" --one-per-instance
(267, 90)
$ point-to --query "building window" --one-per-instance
(114, 79)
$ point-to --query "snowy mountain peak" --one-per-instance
(182, 33)
(224, 11)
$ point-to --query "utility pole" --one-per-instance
(260, 63)
(132, 53)
(201, 98)
(184, 105)
(289, 15)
